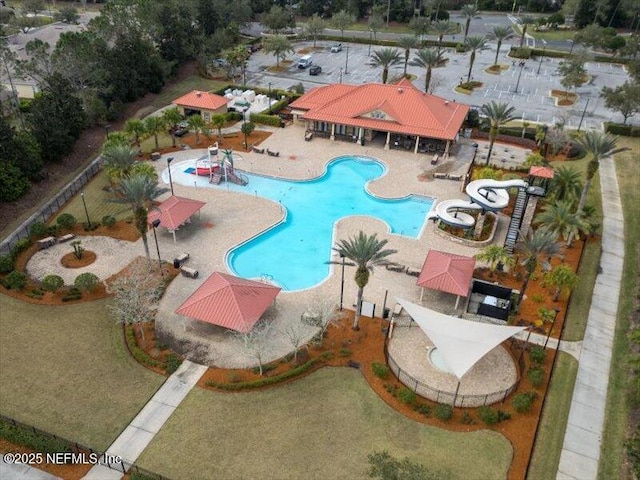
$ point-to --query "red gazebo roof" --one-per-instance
(542, 172)
(229, 302)
(447, 272)
(174, 211)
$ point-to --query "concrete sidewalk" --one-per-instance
(139, 433)
(22, 471)
(581, 449)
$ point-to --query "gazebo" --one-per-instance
(229, 302)
(447, 272)
(174, 212)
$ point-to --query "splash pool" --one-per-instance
(295, 252)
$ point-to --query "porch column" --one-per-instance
(415, 150)
(360, 135)
(333, 132)
(386, 145)
(446, 149)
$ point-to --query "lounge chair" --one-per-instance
(273, 154)
(308, 135)
(258, 150)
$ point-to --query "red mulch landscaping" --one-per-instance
(70, 260)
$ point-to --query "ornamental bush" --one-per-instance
(66, 221)
(537, 355)
(443, 411)
(38, 230)
(108, 221)
(86, 282)
(52, 283)
(523, 402)
(406, 396)
(6, 263)
(16, 280)
(380, 370)
(488, 415)
(536, 376)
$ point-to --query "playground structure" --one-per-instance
(218, 170)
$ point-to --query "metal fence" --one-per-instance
(52, 207)
(439, 396)
(77, 448)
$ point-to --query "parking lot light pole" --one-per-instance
(346, 62)
(544, 49)
(155, 224)
(340, 74)
(519, 75)
(270, 112)
(583, 114)
(370, 33)
(169, 160)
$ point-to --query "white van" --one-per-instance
(305, 61)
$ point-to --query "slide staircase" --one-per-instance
(485, 194)
(516, 220)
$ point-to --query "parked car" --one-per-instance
(335, 48)
(315, 70)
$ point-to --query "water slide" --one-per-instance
(485, 194)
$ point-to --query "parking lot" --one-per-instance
(531, 99)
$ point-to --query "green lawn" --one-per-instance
(553, 36)
(620, 384)
(65, 370)
(546, 454)
(321, 427)
(96, 199)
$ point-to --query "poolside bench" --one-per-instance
(180, 260)
(396, 268)
(46, 242)
(412, 272)
(273, 154)
(189, 272)
(257, 150)
(440, 175)
(66, 238)
(455, 177)
(435, 159)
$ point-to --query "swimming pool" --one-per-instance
(294, 253)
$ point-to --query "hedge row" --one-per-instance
(383, 43)
(139, 354)
(620, 129)
(272, 120)
(294, 372)
(514, 140)
(31, 439)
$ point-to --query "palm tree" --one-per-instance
(493, 255)
(599, 145)
(497, 115)
(500, 34)
(562, 278)
(196, 123)
(366, 251)
(565, 185)
(559, 218)
(386, 58)
(135, 128)
(138, 191)
(442, 28)
(218, 121)
(525, 22)
(171, 116)
(153, 126)
(536, 249)
(475, 44)
(469, 11)
(118, 160)
(407, 43)
(427, 58)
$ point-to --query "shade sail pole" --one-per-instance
(455, 395)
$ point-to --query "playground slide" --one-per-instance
(485, 194)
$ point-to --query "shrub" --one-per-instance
(424, 410)
(6, 263)
(38, 230)
(90, 228)
(488, 415)
(520, 52)
(620, 129)
(537, 355)
(267, 367)
(139, 354)
(345, 352)
(265, 380)
(380, 370)
(109, 221)
(86, 282)
(522, 402)
(556, 19)
(66, 221)
(576, 151)
(28, 437)
(467, 419)
(16, 280)
(538, 297)
(502, 415)
(443, 411)
(52, 283)
(536, 376)
(406, 396)
(271, 120)
(20, 246)
(461, 48)
(172, 363)
(233, 116)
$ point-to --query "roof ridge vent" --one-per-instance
(400, 90)
(446, 102)
(198, 93)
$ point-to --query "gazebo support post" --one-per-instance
(421, 294)
(455, 395)
(174, 235)
(457, 302)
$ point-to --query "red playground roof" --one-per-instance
(229, 302)
(447, 272)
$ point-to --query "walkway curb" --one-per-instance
(580, 454)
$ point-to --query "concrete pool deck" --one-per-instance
(230, 218)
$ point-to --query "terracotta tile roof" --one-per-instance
(174, 211)
(229, 302)
(399, 108)
(201, 100)
(542, 172)
(447, 272)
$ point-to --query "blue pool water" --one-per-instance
(294, 253)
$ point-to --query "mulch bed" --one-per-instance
(70, 260)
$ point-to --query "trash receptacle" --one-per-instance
(386, 312)
(176, 263)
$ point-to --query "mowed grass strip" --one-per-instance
(546, 454)
(97, 200)
(622, 384)
(320, 427)
(65, 370)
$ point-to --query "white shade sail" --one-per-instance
(462, 343)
